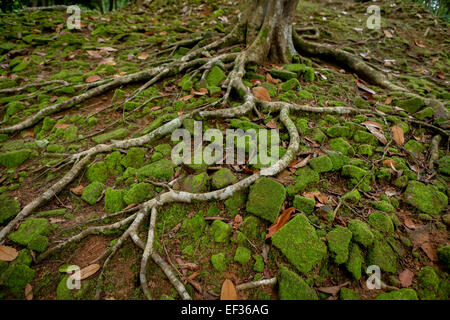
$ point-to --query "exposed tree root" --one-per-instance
(256, 284)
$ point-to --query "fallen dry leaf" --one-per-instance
(93, 78)
(387, 33)
(397, 135)
(272, 80)
(271, 124)
(28, 292)
(282, 219)
(186, 98)
(201, 92)
(8, 253)
(61, 125)
(376, 130)
(389, 163)
(89, 271)
(405, 278)
(77, 190)
(228, 291)
(429, 251)
(334, 290)
(143, 56)
(261, 93)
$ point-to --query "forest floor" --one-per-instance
(375, 169)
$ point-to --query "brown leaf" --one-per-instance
(271, 80)
(376, 130)
(387, 33)
(201, 92)
(332, 290)
(388, 100)
(271, 124)
(397, 135)
(409, 223)
(28, 292)
(186, 98)
(143, 56)
(363, 87)
(302, 163)
(77, 190)
(429, 251)
(89, 271)
(419, 44)
(282, 219)
(61, 125)
(405, 278)
(228, 291)
(261, 93)
(440, 75)
(8, 253)
(92, 78)
(389, 163)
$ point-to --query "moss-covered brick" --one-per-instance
(139, 192)
(8, 208)
(234, 203)
(31, 233)
(223, 178)
(215, 76)
(303, 178)
(382, 255)
(414, 147)
(293, 287)
(265, 198)
(339, 131)
(400, 294)
(283, 74)
(318, 135)
(259, 263)
(444, 165)
(162, 170)
(302, 126)
(14, 158)
(411, 105)
(112, 162)
(348, 294)
(97, 172)
(219, 262)
(299, 242)
(16, 277)
(297, 68)
(426, 198)
(361, 232)
(365, 137)
(115, 134)
(321, 164)
(352, 196)
(242, 255)
(244, 124)
(338, 241)
(381, 221)
(196, 183)
(365, 150)
(337, 159)
(309, 74)
(383, 205)
(342, 146)
(355, 261)
(444, 256)
(194, 226)
(92, 192)
(165, 149)
(135, 158)
(290, 85)
(428, 112)
(250, 227)
(114, 200)
(221, 231)
(304, 204)
(353, 172)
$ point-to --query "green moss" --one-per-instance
(321, 164)
(352, 196)
(236, 202)
(400, 294)
(355, 261)
(30, 229)
(290, 85)
(299, 242)
(304, 204)
(382, 222)
(114, 200)
(348, 294)
(414, 147)
(361, 232)
(242, 255)
(115, 134)
(97, 172)
(428, 112)
(8, 208)
(303, 178)
(165, 149)
(14, 158)
(138, 193)
(112, 162)
(64, 293)
(223, 178)
(215, 76)
(283, 74)
(218, 261)
(38, 243)
(250, 227)
(309, 75)
(293, 287)
(162, 170)
(444, 256)
(16, 277)
(220, 230)
(135, 158)
(92, 192)
(411, 105)
(426, 198)
(353, 172)
(342, 146)
(259, 263)
(265, 198)
(382, 255)
(337, 159)
(196, 183)
(338, 242)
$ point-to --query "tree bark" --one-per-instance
(268, 29)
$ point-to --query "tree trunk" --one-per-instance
(268, 29)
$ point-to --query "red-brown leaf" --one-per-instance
(261, 93)
(282, 219)
(405, 278)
